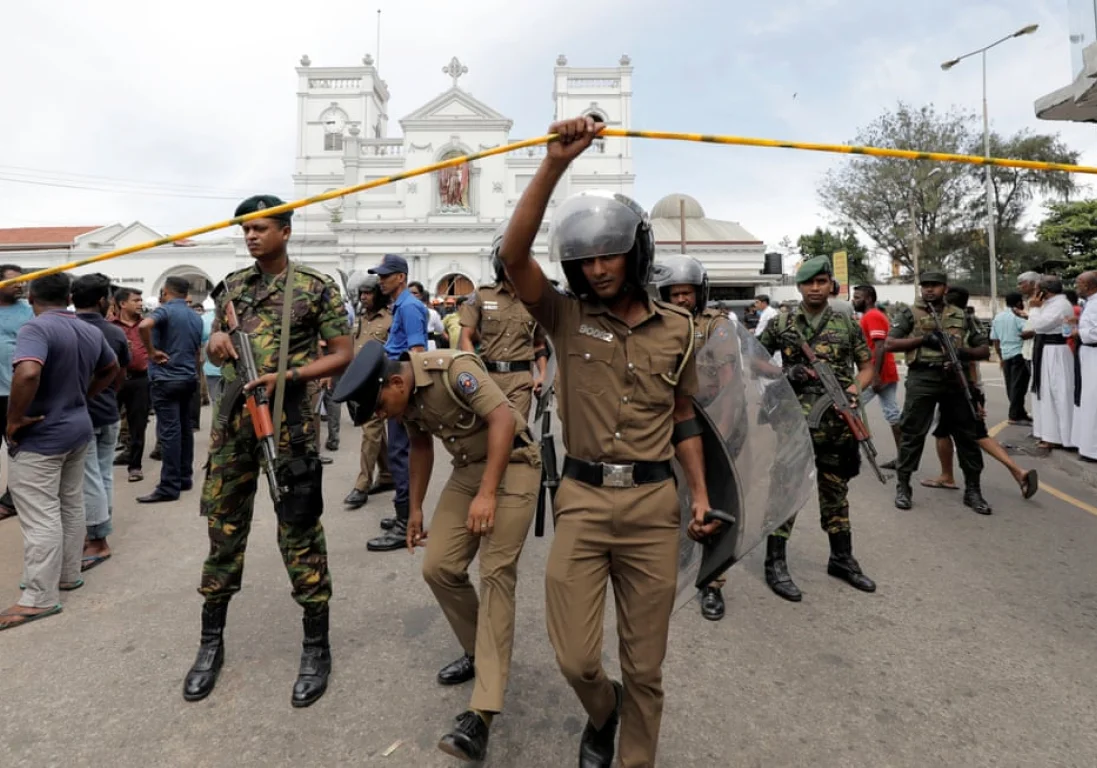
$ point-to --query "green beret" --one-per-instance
(933, 277)
(820, 265)
(261, 202)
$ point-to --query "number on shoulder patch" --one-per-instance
(468, 383)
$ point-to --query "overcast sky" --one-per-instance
(198, 101)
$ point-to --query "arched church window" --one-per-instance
(453, 185)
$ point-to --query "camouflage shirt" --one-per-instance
(838, 341)
(317, 312)
(917, 322)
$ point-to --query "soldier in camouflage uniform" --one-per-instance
(932, 383)
(232, 471)
(683, 281)
(837, 339)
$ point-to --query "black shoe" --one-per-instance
(777, 576)
(889, 464)
(843, 566)
(122, 460)
(457, 672)
(312, 678)
(156, 497)
(156, 455)
(596, 746)
(356, 499)
(211, 653)
(392, 539)
(904, 494)
(387, 523)
(712, 603)
(186, 486)
(332, 445)
(468, 740)
(382, 487)
(973, 497)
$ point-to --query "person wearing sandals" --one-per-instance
(59, 363)
(14, 312)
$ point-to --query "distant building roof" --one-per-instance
(41, 237)
(666, 223)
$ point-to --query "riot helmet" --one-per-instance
(601, 223)
(679, 269)
(497, 268)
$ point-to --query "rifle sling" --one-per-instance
(283, 352)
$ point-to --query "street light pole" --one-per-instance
(986, 151)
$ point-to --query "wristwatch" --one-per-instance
(294, 375)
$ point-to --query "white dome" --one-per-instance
(670, 208)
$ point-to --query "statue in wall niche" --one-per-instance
(453, 185)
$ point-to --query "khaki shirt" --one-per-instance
(711, 322)
(616, 403)
(918, 323)
(373, 326)
(507, 331)
(451, 398)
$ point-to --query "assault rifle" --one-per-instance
(256, 400)
(836, 396)
(550, 475)
(953, 360)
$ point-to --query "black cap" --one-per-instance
(933, 277)
(261, 202)
(360, 385)
(391, 264)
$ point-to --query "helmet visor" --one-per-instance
(594, 224)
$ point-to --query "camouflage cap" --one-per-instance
(810, 269)
(933, 277)
(262, 202)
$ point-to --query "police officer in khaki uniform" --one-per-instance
(626, 377)
(683, 281)
(511, 342)
(487, 506)
(374, 321)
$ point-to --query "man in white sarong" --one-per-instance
(1052, 366)
(1084, 430)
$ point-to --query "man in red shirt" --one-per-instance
(133, 398)
(885, 384)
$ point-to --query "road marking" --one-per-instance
(993, 432)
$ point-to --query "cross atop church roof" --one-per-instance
(455, 69)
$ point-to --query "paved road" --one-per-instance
(977, 650)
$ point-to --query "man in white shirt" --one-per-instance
(765, 313)
(1084, 430)
(436, 329)
(1052, 366)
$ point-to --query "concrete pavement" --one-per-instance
(977, 650)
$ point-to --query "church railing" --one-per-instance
(335, 82)
(382, 147)
(593, 82)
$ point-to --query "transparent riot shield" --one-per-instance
(759, 463)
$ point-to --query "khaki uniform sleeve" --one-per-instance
(414, 428)
(474, 386)
(334, 321)
(688, 385)
(469, 313)
(549, 311)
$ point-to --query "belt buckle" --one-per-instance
(502, 367)
(617, 476)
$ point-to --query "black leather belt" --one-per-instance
(626, 475)
(927, 366)
(1089, 343)
(1052, 338)
(504, 366)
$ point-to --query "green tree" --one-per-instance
(825, 242)
(1071, 227)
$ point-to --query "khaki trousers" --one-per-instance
(630, 536)
(518, 387)
(374, 452)
(484, 626)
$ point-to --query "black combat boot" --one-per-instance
(312, 678)
(843, 566)
(468, 740)
(904, 494)
(458, 672)
(973, 497)
(596, 746)
(712, 603)
(395, 537)
(211, 653)
(777, 570)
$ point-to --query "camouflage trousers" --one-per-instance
(233, 473)
(837, 461)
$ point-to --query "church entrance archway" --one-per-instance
(200, 283)
(453, 284)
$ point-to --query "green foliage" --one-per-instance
(1072, 229)
(825, 242)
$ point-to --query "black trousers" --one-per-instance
(134, 398)
(1017, 376)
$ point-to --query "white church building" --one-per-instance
(442, 223)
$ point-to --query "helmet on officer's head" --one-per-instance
(601, 223)
(361, 281)
(679, 269)
(497, 268)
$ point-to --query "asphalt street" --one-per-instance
(977, 650)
